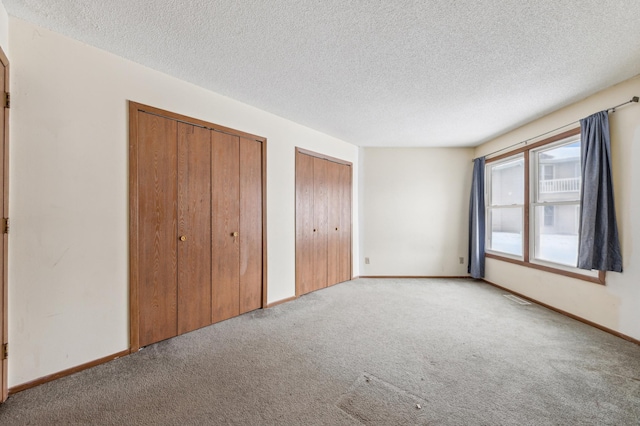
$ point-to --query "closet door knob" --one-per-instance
(183, 238)
(235, 234)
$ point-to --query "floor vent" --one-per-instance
(516, 299)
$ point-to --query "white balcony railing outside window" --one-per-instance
(559, 185)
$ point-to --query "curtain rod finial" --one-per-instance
(635, 99)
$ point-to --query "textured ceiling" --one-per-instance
(374, 73)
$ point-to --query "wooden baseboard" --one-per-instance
(565, 313)
(280, 302)
(413, 276)
(68, 372)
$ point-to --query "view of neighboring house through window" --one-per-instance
(549, 215)
(538, 227)
(556, 202)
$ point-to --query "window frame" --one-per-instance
(536, 200)
(491, 206)
(526, 260)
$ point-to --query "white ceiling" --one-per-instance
(374, 73)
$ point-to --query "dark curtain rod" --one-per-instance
(612, 109)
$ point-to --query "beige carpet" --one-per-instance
(374, 352)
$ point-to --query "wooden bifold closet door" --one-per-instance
(323, 221)
(339, 223)
(196, 225)
(237, 230)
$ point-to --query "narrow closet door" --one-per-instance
(334, 189)
(225, 226)
(157, 232)
(304, 224)
(344, 182)
(250, 225)
(320, 222)
(194, 227)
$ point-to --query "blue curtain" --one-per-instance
(476, 221)
(598, 244)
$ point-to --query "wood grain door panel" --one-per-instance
(194, 225)
(345, 223)
(304, 224)
(334, 198)
(225, 227)
(157, 174)
(323, 221)
(188, 180)
(250, 225)
(320, 222)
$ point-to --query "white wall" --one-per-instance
(413, 208)
(68, 283)
(617, 304)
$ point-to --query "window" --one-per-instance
(533, 206)
(556, 195)
(506, 205)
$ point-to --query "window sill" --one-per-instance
(600, 279)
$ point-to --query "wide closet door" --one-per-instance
(323, 222)
(196, 226)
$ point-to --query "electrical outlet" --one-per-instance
(366, 260)
(461, 260)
